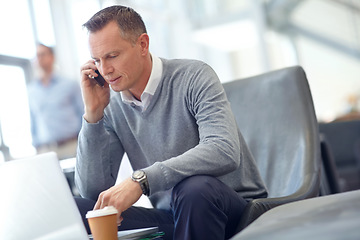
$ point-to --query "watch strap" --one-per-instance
(140, 177)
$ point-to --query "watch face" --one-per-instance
(140, 177)
(138, 174)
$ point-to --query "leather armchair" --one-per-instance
(330, 217)
(276, 116)
(343, 139)
(330, 182)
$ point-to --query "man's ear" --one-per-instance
(143, 42)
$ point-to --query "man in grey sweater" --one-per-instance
(173, 120)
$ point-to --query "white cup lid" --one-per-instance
(101, 212)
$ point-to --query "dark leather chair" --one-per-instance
(343, 138)
(275, 113)
(330, 182)
(330, 217)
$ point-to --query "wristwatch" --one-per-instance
(140, 177)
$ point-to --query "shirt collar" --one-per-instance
(155, 76)
(53, 80)
(154, 80)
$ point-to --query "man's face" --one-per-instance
(45, 58)
(119, 62)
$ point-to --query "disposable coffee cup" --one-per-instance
(103, 223)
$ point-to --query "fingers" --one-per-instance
(97, 205)
(107, 198)
(88, 70)
(89, 65)
(103, 201)
(121, 196)
(120, 219)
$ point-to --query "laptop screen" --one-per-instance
(36, 201)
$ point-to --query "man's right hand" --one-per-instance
(95, 97)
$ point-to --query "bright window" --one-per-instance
(14, 112)
(17, 37)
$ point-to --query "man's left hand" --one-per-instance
(121, 196)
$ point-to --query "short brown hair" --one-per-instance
(51, 49)
(129, 21)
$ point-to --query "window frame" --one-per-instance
(25, 65)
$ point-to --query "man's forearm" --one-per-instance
(94, 166)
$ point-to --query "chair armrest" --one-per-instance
(257, 207)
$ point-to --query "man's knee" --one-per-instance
(195, 189)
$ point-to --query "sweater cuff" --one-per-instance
(92, 128)
(157, 178)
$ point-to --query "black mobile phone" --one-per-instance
(99, 79)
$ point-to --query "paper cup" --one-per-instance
(103, 223)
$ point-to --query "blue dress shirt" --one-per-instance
(56, 110)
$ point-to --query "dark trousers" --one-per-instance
(202, 207)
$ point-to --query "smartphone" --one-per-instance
(99, 79)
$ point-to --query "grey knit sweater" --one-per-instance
(188, 129)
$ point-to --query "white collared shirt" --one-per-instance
(150, 88)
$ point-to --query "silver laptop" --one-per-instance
(36, 201)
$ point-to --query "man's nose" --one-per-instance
(105, 69)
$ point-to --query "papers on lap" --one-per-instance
(141, 233)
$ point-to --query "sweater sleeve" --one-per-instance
(218, 150)
(98, 159)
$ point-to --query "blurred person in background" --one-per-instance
(56, 108)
